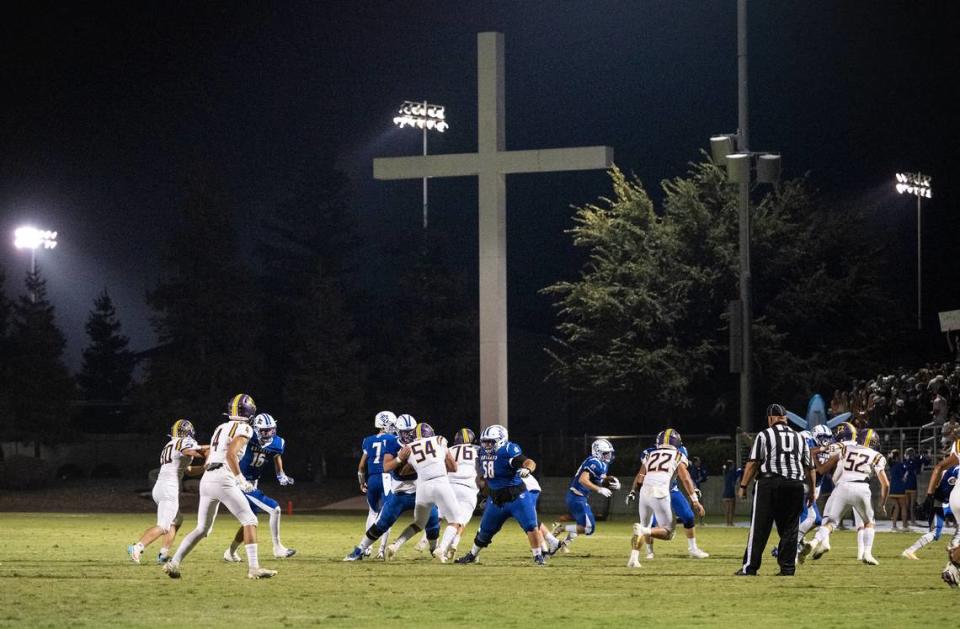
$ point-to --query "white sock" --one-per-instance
(275, 528)
(475, 551)
(139, 546)
(649, 547)
(192, 539)
(925, 539)
(253, 560)
(635, 555)
(550, 539)
(536, 552)
(691, 543)
(406, 534)
(861, 535)
(366, 542)
(868, 534)
(384, 539)
(823, 534)
(448, 534)
(455, 542)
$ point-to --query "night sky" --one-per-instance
(109, 109)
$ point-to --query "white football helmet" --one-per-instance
(823, 434)
(266, 428)
(406, 426)
(385, 421)
(602, 449)
(493, 437)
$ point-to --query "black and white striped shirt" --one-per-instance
(782, 451)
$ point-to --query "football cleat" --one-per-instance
(909, 554)
(172, 569)
(557, 528)
(439, 555)
(380, 556)
(451, 553)
(261, 573)
(422, 545)
(283, 553)
(231, 556)
(392, 550)
(951, 575)
(633, 563)
(162, 559)
(804, 551)
(368, 551)
(134, 553)
(355, 555)
(650, 555)
(869, 560)
(539, 560)
(468, 558)
(820, 548)
(696, 553)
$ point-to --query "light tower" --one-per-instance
(427, 117)
(918, 185)
(32, 238)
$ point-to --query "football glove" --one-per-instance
(284, 480)
(613, 482)
(244, 485)
(630, 497)
(524, 472)
(603, 491)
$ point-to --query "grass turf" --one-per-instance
(58, 570)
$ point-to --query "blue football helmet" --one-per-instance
(181, 428)
(406, 428)
(266, 428)
(493, 438)
(602, 449)
(385, 421)
(669, 438)
(845, 432)
(241, 407)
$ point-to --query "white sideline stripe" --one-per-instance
(753, 517)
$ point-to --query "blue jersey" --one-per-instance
(376, 446)
(947, 482)
(597, 470)
(821, 458)
(251, 465)
(496, 468)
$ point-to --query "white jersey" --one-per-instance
(857, 464)
(173, 462)
(223, 435)
(531, 483)
(955, 450)
(662, 465)
(465, 455)
(428, 457)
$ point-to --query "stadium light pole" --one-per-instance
(918, 185)
(425, 116)
(32, 238)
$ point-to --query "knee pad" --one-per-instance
(636, 529)
(481, 542)
(689, 524)
(250, 520)
(374, 532)
(433, 534)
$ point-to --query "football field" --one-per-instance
(72, 570)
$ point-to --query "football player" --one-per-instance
(951, 572)
(681, 510)
(503, 466)
(853, 465)
(428, 456)
(463, 480)
(651, 487)
(222, 482)
(591, 476)
(402, 498)
(174, 463)
(940, 507)
(374, 482)
(819, 441)
(264, 444)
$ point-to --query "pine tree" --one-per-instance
(107, 368)
(40, 385)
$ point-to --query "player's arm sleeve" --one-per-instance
(518, 461)
(757, 448)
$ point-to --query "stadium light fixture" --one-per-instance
(427, 117)
(32, 238)
(919, 185)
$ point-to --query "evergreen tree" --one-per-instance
(36, 372)
(645, 325)
(205, 319)
(107, 368)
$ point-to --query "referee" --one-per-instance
(780, 461)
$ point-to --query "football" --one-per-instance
(611, 481)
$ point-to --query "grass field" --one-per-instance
(59, 570)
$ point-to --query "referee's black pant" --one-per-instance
(775, 499)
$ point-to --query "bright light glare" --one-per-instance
(32, 238)
(914, 183)
(422, 116)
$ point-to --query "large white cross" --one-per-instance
(490, 163)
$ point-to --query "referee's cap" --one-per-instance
(776, 410)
